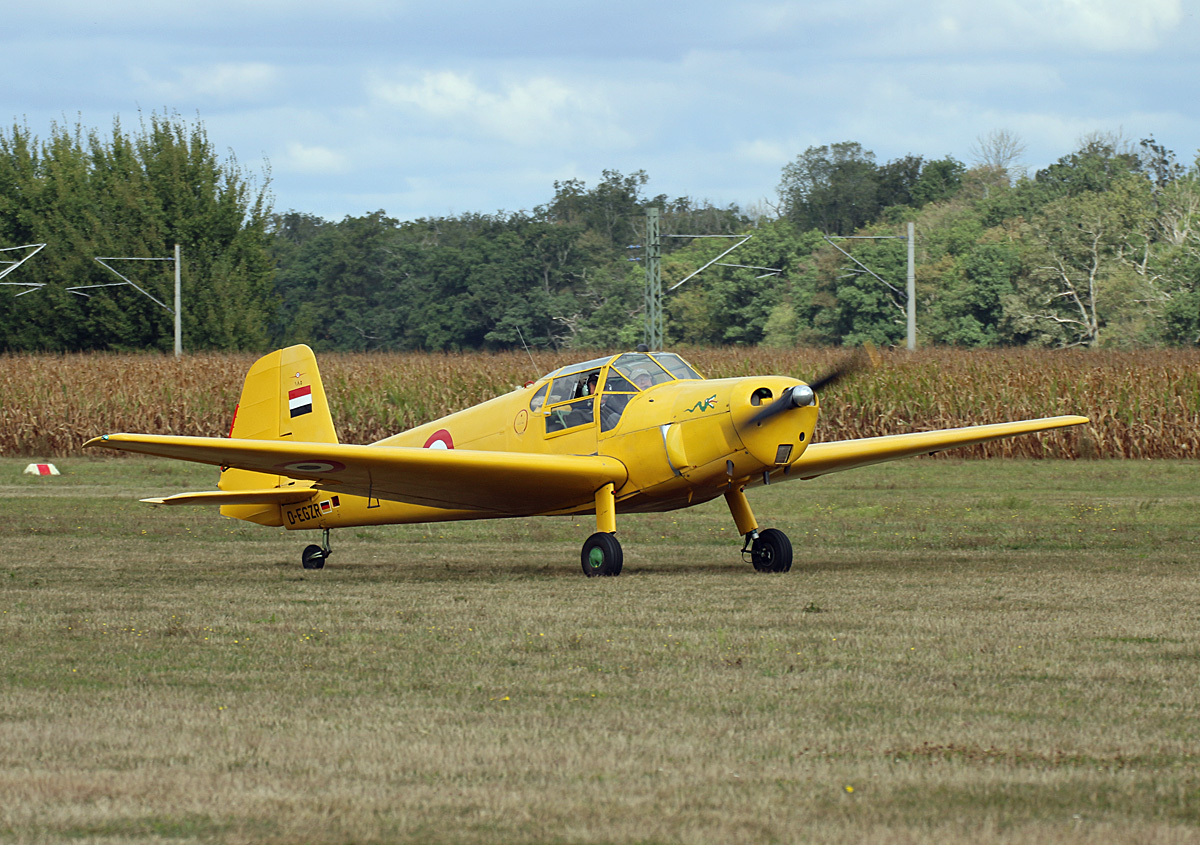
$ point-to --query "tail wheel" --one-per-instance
(771, 551)
(602, 555)
(313, 557)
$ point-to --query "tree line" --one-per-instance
(132, 195)
(1100, 248)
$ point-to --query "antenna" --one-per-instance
(527, 352)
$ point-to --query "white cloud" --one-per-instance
(925, 29)
(1022, 25)
(764, 151)
(1116, 24)
(490, 103)
(519, 112)
(223, 82)
(318, 160)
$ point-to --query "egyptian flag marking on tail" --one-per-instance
(300, 401)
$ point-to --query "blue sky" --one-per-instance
(428, 109)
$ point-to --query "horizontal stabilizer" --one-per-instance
(270, 496)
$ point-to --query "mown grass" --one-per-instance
(988, 651)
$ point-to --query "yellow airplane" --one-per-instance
(630, 433)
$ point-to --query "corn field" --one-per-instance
(1143, 404)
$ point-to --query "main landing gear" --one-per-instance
(768, 550)
(314, 556)
(602, 555)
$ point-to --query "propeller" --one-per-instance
(805, 394)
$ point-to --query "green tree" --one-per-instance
(1170, 267)
(968, 310)
(1079, 243)
(134, 196)
(832, 188)
(1093, 168)
(940, 180)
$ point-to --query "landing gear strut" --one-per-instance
(769, 550)
(314, 556)
(602, 553)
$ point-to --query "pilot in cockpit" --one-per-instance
(587, 386)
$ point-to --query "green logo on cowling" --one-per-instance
(704, 404)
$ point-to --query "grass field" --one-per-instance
(991, 651)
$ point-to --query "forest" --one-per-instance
(1101, 248)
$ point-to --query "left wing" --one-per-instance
(822, 458)
(497, 483)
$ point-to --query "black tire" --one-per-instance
(602, 555)
(772, 551)
(313, 557)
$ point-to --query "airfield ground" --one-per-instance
(988, 651)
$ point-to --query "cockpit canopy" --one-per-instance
(568, 395)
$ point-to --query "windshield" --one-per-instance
(676, 366)
(645, 370)
(568, 395)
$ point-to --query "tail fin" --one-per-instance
(282, 399)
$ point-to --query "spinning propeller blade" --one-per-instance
(801, 395)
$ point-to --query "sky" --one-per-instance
(429, 109)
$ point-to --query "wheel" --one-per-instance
(772, 551)
(313, 557)
(602, 555)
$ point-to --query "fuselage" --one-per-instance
(683, 439)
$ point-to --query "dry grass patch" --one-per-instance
(1143, 404)
(171, 675)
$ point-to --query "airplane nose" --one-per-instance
(773, 437)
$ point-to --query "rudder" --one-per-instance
(282, 399)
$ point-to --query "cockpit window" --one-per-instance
(561, 389)
(568, 401)
(617, 383)
(595, 364)
(641, 370)
(573, 386)
(570, 414)
(676, 366)
(539, 399)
